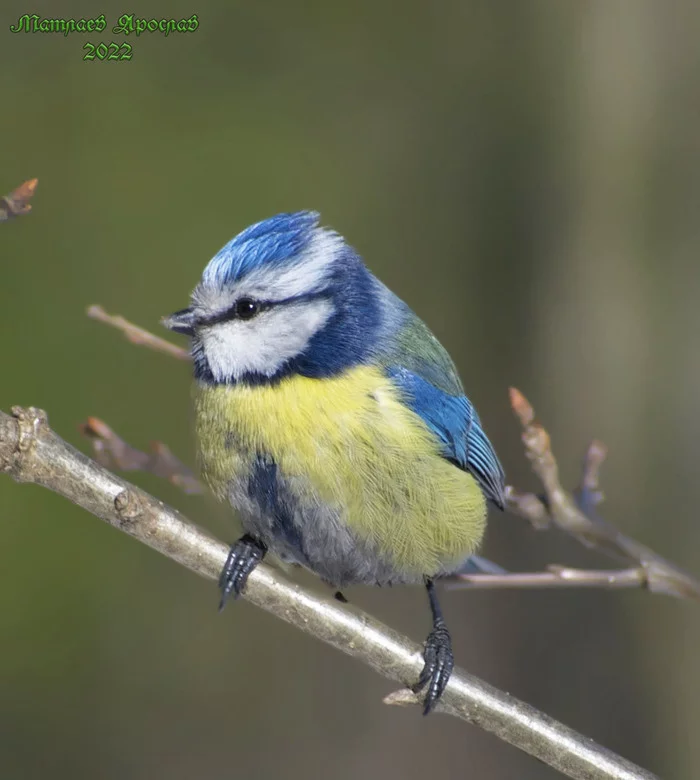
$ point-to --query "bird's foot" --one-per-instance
(243, 557)
(439, 662)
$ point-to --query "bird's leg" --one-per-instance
(438, 656)
(243, 557)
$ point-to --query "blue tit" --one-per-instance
(333, 421)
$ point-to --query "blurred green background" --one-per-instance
(527, 176)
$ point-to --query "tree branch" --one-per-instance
(31, 452)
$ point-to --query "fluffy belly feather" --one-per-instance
(339, 476)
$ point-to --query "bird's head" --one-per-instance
(284, 296)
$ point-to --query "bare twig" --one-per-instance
(555, 577)
(137, 335)
(31, 452)
(113, 452)
(576, 514)
(17, 202)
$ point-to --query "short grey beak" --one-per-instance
(181, 322)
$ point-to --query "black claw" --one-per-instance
(439, 662)
(338, 596)
(243, 557)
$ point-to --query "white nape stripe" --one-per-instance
(265, 343)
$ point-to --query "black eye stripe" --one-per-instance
(232, 313)
(243, 309)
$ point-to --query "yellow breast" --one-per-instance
(350, 442)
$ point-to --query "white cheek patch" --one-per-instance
(262, 345)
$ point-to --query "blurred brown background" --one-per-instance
(527, 176)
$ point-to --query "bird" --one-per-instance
(334, 423)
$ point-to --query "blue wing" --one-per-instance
(455, 421)
(425, 375)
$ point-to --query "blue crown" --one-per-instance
(271, 242)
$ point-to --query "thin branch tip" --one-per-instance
(17, 202)
(135, 334)
(593, 460)
(521, 406)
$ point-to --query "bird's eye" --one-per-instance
(246, 308)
